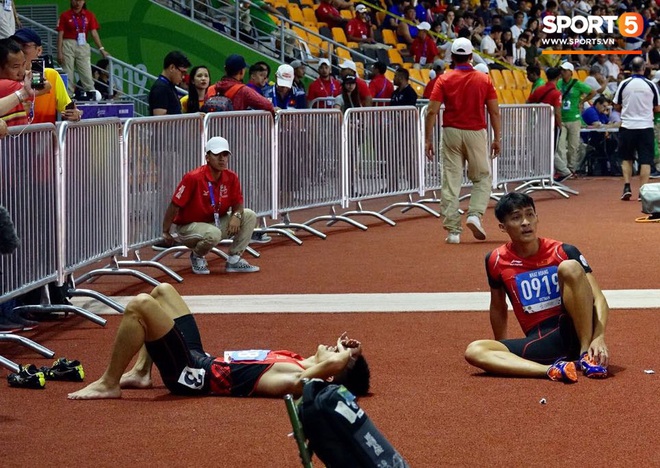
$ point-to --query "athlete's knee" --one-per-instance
(138, 305)
(163, 289)
(570, 270)
(476, 351)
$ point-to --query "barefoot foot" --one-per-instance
(96, 391)
(134, 379)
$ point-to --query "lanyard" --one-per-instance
(84, 23)
(216, 215)
(332, 88)
(463, 67)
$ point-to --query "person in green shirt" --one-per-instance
(534, 77)
(574, 93)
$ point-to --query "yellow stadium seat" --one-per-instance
(307, 3)
(419, 89)
(507, 97)
(309, 15)
(346, 14)
(395, 56)
(401, 47)
(519, 96)
(416, 75)
(310, 25)
(582, 75)
(296, 15)
(509, 80)
(521, 80)
(360, 69)
(499, 96)
(339, 36)
(407, 65)
(343, 53)
(352, 45)
(315, 43)
(300, 32)
(389, 74)
(496, 78)
(389, 37)
(426, 74)
(380, 17)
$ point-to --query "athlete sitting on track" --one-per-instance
(162, 322)
(555, 298)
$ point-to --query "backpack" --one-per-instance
(340, 432)
(221, 103)
(650, 195)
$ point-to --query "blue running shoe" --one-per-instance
(563, 371)
(591, 369)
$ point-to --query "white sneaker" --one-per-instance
(240, 266)
(199, 265)
(474, 224)
(453, 238)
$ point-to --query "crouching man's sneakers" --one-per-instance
(199, 265)
(241, 266)
(453, 238)
(474, 224)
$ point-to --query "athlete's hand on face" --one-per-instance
(344, 343)
(598, 351)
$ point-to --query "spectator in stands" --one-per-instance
(489, 43)
(519, 58)
(360, 29)
(328, 13)
(574, 95)
(349, 96)
(231, 85)
(465, 93)
(654, 55)
(298, 88)
(282, 95)
(518, 22)
(404, 94)
(200, 79)
(260, 12)
(406, 31)
(8, 20)
(101, 74)
(380, 86)
(423, 48)
(348, 67)
(423, 11)
(396, 9)
(483, 12)
(448, 24)
(507, 46)
(502, 8)
(163, 97)
(55, 100)
(437, 70)
(325, 86)
(207, 206)
(73, 51)
(547, 93)
(12, 76)
(596, 80)
(610, 70)
(534, 76)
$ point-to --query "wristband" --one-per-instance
(20, 96)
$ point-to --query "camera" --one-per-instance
(38, 78)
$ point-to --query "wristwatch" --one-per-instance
(238, 214)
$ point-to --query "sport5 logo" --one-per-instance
(629, 24)
(192, 378)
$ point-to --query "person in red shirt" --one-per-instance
(73, 51)
(549, 94)
(160, 329)
(207, 206)
(231, 85)
(465, 92)
(555, 297)
(438, 69)
(379, 86)
(12, 76)
(328, 13)
(359, 29)
(423, 48)
(348, 67)
(325, 86)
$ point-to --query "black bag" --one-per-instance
(340, 432)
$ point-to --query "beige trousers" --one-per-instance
(567, 156)
(77, 58)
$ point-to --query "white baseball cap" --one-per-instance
(482, 67)
(323, 61)
(360, 8)
(424, 26)
(217, 145)
(461, 46)
(284, 75)
(348, 64)
(567, 66)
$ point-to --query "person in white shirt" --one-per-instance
(489, 42)
(518, 27)
(611, 70)
(519, 52)
(596, 80)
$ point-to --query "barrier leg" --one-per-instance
(40, 309)
(138, 262)
(333, 217)
(298, 434)
(33, 345)
(358, 211)
(287, 224)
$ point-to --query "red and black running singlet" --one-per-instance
(532, 284)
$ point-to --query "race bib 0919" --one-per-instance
(538, 290)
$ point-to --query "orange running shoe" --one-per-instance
(592, 369)
(563, 371)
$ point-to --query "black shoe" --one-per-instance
(28, 377)
(7, 326)
(63, 369)
(655, 175)
(627, 193)
(562, 177)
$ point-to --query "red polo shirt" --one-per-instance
(381, 88)
(357, 28)
(325, 13)
(546, 94)
(464, 92)
(363, 90)
(17, 114)
(323, 88)
(71, 24)
(193, 198)
(425, 48)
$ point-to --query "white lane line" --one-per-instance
(388, 302)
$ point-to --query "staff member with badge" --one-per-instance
(207, 206)
(73, 51)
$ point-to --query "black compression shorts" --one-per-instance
(554, 338)
(180, 358)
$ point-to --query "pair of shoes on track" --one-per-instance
(566, 371)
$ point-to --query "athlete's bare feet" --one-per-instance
(98, 390)
(135, 379)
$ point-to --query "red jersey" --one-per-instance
(532, 283)
(381, 88)
(546, 94)
(363, 91)
(231, 377)
(17, 114)
(423, 48)
(358, 29)
(324, 88)
(326, 13)
(464, 92)
(71, 23)
(429, 88)
(193, 198)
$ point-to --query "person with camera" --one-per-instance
(52, 97)
(12, 76)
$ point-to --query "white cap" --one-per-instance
(424, 26)
(360, 8)
(217, 145)
(461, 46)
(567, 66)
(482, 67)
(284, 75)
(323, 61)
(348, 64)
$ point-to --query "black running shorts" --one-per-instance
(640, 141)
(180, 358)
(554, 338)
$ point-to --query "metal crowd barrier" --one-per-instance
(384, 156)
